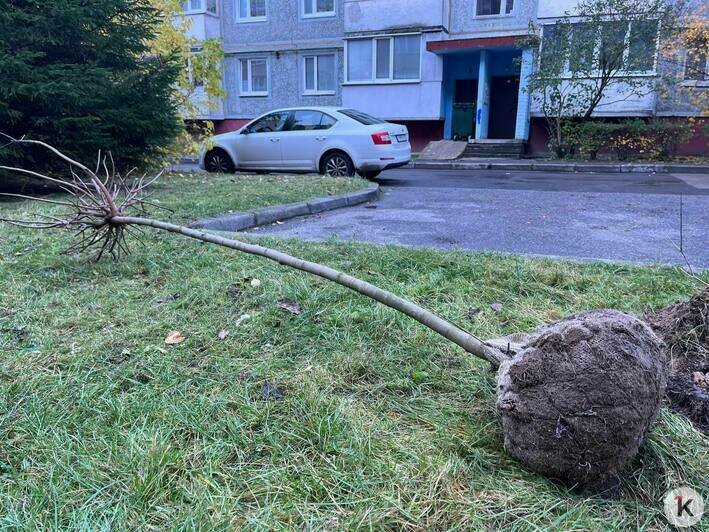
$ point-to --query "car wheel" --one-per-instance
(371, 175)
(219, 162)
(338, 164)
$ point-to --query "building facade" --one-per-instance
(449, 69)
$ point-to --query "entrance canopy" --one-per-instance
(485, 87)
(466, 45)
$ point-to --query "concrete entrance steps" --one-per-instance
(487, 149)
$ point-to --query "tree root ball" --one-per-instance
(577, 400)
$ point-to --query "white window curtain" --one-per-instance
(259, 77)
(383, 58)
(252, 9)
(318, 7)
(320, 74)
(407, 57)
(254, 77)
(359, 60)
(326, 73)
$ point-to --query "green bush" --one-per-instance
(81, 76)
(655, 139)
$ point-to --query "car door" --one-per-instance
(259, 145)
(304, 139)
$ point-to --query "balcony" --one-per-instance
(204, 16)
(367, 16)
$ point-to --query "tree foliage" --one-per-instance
(87, 76)
(199, 85)
(600, 53)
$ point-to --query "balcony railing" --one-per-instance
(192, 7)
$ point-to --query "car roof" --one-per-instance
(308, 108)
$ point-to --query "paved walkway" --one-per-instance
(618, 217)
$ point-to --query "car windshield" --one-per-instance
(270, 123)
(361, 117)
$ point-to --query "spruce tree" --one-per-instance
(80, 74)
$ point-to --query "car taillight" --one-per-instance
(381, 138)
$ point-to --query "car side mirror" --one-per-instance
(245, 131)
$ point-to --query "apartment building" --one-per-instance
(448, 69)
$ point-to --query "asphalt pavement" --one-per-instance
(643, 218)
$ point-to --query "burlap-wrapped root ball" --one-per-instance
(577, 400)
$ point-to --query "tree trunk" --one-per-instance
(446, 329)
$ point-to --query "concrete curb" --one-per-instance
(240, 221)
(607, 168)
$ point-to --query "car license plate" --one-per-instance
(402, 138)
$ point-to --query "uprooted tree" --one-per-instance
(576, 397)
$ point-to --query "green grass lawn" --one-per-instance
(196, 195)
(374, 421)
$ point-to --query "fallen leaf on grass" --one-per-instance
(289, 306)
(419, 376)
(168, 298)
(222, 334)
(496, 307)
(242, 319)
(270, 391)
(701, 379)
(255, 283)
(174, 338)
(21, 334)
(234, 291)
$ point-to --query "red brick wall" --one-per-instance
(225, 126)
(421, 132)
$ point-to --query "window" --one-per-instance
(384, 59)
(616, 45)
(583, 42)
(612, 45)
(270, 123)
(318, 8)
(310, 121)
(320, 74)
(254, 77)
(641, 46)
(696, 66)
(252, 10)
(194, 74)
(553, 44)
(494, 7)
(361, 117)
(359, 60)
(200, 6)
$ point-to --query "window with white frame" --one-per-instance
(252, 10)
(319, 73)
(384, 59)
(254, 77)
(200, 6)
(628, 46)
(494, 7)
(318, 8)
